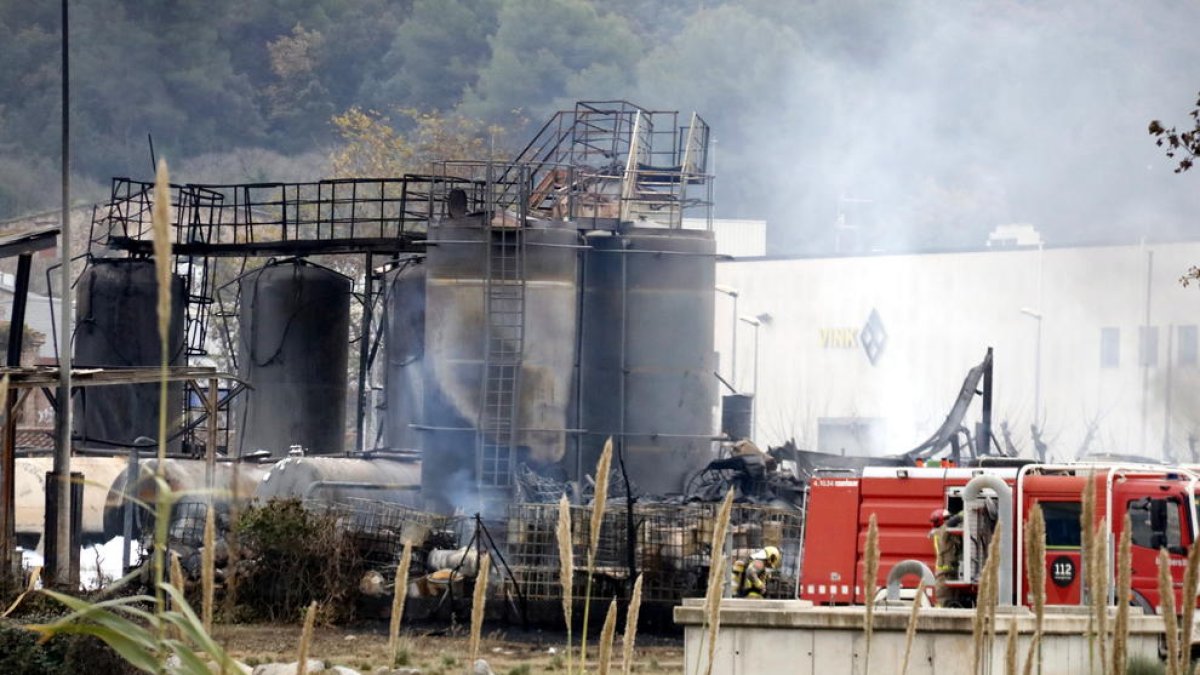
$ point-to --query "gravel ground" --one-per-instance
(508, 651)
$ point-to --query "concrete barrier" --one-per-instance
(792, 636)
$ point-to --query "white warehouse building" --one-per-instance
(866, 354)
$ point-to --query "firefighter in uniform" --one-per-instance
(750, 574)
(947, 550)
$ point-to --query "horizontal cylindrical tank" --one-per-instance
(116, 325)
(30, 496)
(405, 353)
(293, 343)
(338, 479)
(456, 327)
(232, 482)
(647, 356)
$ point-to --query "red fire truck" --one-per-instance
(1161, 503)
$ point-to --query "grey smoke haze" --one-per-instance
(937, 120)
(944, 118)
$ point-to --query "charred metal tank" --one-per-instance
(455, 333)
(116, 325)
(294, 327)
(405, 353)
(341, 479)
(647, 354)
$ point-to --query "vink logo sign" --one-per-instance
(872, 337)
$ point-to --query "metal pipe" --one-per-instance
(364, 343)
(62, 447)
(903, 569)
(970, 494)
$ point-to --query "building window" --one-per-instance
(1110, 347)
(1187, 337)
(1147, 346)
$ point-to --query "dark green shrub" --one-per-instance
(291, 556)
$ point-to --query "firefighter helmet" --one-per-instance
(938, 517)
(771, 556)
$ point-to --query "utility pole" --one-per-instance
(62, 433)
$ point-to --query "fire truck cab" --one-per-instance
(1160, 502)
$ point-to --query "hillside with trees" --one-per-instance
(924, 123)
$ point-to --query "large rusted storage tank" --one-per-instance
(647, 357)
(405, 352)
(455, 335)
(116, 326)
(293, 343)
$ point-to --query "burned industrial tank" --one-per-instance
(456, 331)
(647, 357)
(293, 333)
(116, 326)
(405, 289)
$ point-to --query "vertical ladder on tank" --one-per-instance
(504, 339)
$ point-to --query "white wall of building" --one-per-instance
(941, 312)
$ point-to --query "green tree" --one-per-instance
(435, 56)
(545, 51)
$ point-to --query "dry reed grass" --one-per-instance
(716, 581)
(603, 468)
(1098, 577)
(399, 594)
(1188, 610)
(1120, 652)
(983, 627)
(160, 219)
(1011, 663)
(1087, 516)
(631, 621)
(566, 568)
(1035, 568)
(606, 637)
(1166, 591)
(208, 567)
(478, 604)
(306, 633)
(870, 576)
(911, 632)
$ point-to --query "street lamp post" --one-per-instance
(1037, 365)
(732, 293)
(754, 404)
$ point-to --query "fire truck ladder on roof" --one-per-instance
(504, 341)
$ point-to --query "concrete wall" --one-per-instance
(774, 636)
(939, 313)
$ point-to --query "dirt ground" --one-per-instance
(436, 651)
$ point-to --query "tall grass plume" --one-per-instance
(566, 568)
(1188, 609)
(1011, 664)
(716, 579)
(478, 604)
(1098, 577)
(911, 632)
(1035, 569)
(606, 637)
(1087, 518)
(603, 468)
(983, 626)
(208, 561)
(306, 634)
(399, 594)
(870, 575)
(1166, 592)
(631, 621)
(1120, 650)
